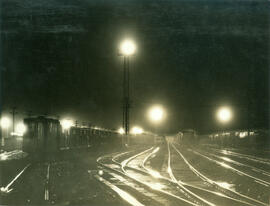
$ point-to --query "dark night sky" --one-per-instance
(60, 57)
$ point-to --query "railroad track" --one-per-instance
(131, 166)
(226, 192)
(168, 192)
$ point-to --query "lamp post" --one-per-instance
(127, 49)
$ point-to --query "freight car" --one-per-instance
(241, 138)
(88, 136)
(45, 136)
(42, 135)
(79, 137)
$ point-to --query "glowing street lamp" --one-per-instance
(5, 122)
(136, 130)
(121, 131)
(224, 114)
(66, 124)
(127, 48)
(20, 129)
(156, 114)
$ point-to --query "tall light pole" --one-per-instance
(127, 48)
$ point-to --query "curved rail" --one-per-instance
(215, 183)
(123, 165)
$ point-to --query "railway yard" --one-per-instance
(163, 174)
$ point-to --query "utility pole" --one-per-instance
(126, 97)
(13, 112)
(127, 49)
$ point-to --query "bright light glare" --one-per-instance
(225, 185)
(66, 124)
(5, 190)
(243, 134)
(5, 122)
(157, 186)
(127, 47)
(16, 134)
(224, 114)
(225, 165)
(156, 150)
(136, 130)
(226, 159)
(156, 113)
(20, 128)
(121, 131)
(154, 173)
(224, 152)
(3, 157)
(100, 172)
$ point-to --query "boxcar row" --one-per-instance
(45, 135)
(239, 138)
(255, 139)
(88, 136)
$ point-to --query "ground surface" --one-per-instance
(163, 174)
(69, 178)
